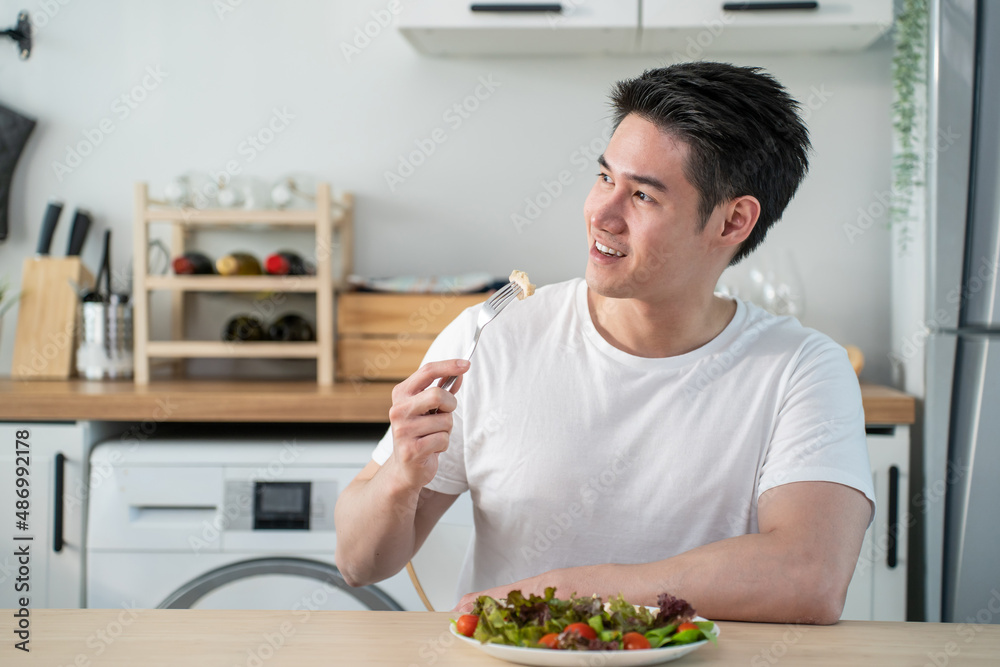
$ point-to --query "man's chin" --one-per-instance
(606, 288)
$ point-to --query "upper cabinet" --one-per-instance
(683, 29)
(695, 28)
(529, 27)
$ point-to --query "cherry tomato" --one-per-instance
(466, 624)
(581, 629)
(550, 640)
(633, 640)
(686, 626)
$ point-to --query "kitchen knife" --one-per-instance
(48, 227)
(78, 232)
(96, 294)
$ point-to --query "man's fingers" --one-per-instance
(425, 376)
(433, 398)
(440, 422)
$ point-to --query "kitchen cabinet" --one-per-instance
(454, 28)
(691, 30)
(685, 29)
(55, 470)
(878, 589)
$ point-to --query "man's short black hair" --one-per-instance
(742, 127)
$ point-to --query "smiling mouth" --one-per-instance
(605, 250)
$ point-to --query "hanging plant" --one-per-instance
(909, 65)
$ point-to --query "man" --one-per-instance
(635, 432)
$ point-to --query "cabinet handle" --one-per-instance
(766, 6)
(57, 516)
(893, 528)
(516, 7)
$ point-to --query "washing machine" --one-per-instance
(243, 523)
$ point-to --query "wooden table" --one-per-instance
(303, 639)
(259, 401)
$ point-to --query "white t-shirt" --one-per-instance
(577, 453)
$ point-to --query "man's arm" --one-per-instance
(797, 569)
(385, 513)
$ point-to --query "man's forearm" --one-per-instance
(375, 529)
(755, 577)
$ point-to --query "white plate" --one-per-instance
(543, 657)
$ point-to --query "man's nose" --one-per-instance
(608, 214)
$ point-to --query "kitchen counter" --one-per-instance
(259, 401)
(193, 638)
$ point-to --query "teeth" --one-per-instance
(608, 251)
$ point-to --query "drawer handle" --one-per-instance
(890, 555)
(57, 503)
(766, 6)
(516, 7)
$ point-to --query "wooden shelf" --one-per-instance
(209, 348)
(229, 217)
(234, 283)
(333, 224)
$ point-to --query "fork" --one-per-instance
(489, 310)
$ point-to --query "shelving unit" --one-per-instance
(334, 235)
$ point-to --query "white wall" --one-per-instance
(223, 76)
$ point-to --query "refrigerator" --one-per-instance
(960, 497)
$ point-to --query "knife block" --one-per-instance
(45, 338)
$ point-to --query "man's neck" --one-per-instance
(662, 329)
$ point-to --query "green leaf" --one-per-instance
(660, 636)
(687, 636)
(708, 629)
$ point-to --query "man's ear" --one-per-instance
(741, 217)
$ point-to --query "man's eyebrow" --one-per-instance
(638, 178)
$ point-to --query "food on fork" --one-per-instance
(520, 278)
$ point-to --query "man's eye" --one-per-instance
(604, 177)
(643, 196)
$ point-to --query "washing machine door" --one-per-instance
(277, 583)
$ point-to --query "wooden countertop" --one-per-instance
(257, 401)
(196, 638)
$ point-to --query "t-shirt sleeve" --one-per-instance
(451, 343)
(819, 433)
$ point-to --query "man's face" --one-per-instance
(642, 219)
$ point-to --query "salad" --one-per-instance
(586, 624)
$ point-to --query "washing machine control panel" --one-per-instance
(285, 505)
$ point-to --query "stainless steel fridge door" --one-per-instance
(982, 298)
(972, 527)
(930, 475)
(952, 85)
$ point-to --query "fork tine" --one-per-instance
(506, 301)
(502, 293)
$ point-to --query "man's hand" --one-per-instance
(418, 434)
